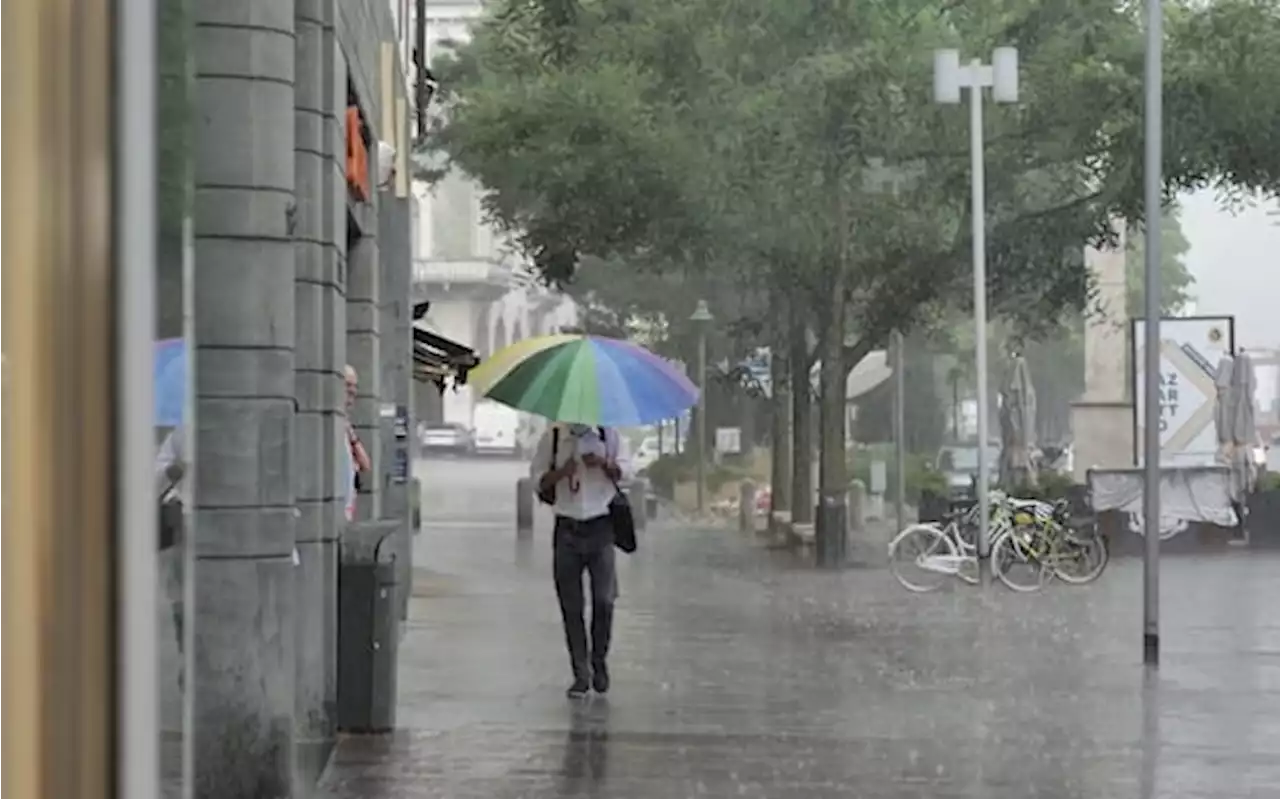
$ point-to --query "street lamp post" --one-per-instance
(702, 320)
(1152, 184)
(949, 77)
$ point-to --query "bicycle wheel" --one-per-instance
(1015, 564)
(907, 553)
(1081, 557)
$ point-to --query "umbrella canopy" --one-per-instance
(1017, 425)
(585, 379)
(169, 377)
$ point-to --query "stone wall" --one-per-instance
(275, 290)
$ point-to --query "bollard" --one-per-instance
(524, 506)
(747, 506)
(637, 492)
(857, 506)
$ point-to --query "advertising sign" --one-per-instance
(1190, 349)
(729, 440)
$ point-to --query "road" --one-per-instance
(739, 672)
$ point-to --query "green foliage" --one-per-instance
(775, 141)
(669, 470)
(1050, 486)
(1175, 281)
(748, 150)
(1268, 481)
(920, 476)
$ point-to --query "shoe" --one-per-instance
(600, 679)
(578, 689)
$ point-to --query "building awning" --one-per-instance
(436, 358)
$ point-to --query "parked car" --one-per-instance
(646, 453)
(959, 464)
(447, 437)
(497, 429)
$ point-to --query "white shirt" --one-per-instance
(588, 493)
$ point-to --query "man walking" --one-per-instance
(577, 469)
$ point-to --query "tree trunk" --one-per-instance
(780, 424)
(801, 423)
(832, 514)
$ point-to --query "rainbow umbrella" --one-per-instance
(169, 365)
(585, 379)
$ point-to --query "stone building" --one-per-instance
(301, 264)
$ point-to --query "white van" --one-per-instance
(495, 429)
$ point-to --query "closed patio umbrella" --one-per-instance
(1235, 421)
(1017, 425)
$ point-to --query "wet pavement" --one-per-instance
(739, 672)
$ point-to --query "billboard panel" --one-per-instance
(1190, 349)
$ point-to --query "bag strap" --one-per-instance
(604, 439)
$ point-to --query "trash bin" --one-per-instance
(637, 492)
(368, 628)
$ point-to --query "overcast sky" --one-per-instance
(1235, 259)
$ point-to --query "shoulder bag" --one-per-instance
(620, 514)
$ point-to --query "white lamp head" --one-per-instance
(1004, 72)
(946, 76)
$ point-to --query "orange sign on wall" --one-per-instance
(357, 156)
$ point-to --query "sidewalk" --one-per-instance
(741, 672)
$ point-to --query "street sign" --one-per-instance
(1190, 350)
(729, 440)
(879, 477)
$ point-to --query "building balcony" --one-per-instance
(471, 272)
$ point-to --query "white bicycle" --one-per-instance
(924, 556)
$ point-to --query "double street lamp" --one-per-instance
(1001, 76)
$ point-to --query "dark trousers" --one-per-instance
(578, 546)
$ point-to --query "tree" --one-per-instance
(1175, 281)
(795, 146)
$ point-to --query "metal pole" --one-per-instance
(1151, 353)
(899, 430)
(702, 418)
(980, 311)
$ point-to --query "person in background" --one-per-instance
(578, 468)
(356, 458)
(170, 474)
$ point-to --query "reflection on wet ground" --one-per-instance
(738, 673)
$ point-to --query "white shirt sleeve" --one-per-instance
(622, 455)
(541, 462)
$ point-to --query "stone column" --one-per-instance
(364, 353)
(334, 203)
(1102, 419)
(396, 362)
(243, 621)
(318, 385)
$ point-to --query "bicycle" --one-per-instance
(1044, 541)
(940, 552)
(1028, 534)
